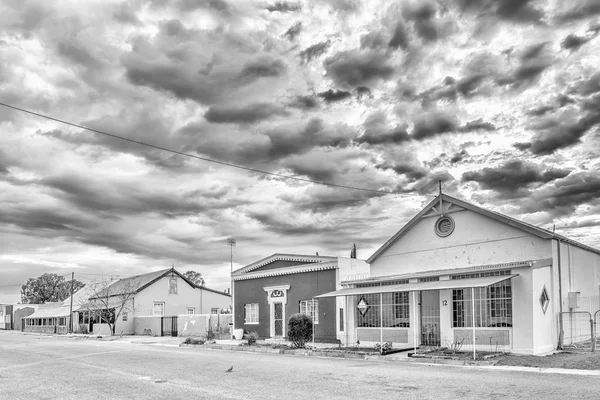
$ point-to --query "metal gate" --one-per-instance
(430, 318)
(168, 326)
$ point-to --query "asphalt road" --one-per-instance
(33, 367)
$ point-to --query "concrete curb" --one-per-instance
(439, 362)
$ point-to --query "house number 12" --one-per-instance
(444, 302)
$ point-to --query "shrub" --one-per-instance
(300, 329)
(382, 348)
(252, 337)
(193, 341)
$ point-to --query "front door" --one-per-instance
(278, 318)
(430, 317)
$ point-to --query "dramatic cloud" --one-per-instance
(433, 124)
(334, 95)
(242, 115)
(356, 68)
(513, 175)
(370, 94)
(293, 31)
(314, 51)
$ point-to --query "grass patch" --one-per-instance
(193, 341)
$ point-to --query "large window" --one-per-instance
(396, 310)
(251, 311)
(310, 308)
(159, 309)
(493, 306)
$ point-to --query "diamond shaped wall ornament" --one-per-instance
(362, 306)
(544, 300)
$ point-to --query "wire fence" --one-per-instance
(579, 326)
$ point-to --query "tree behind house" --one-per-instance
(48, 288)
(109, 301)
(195, 277)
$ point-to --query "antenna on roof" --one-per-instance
(440, 185)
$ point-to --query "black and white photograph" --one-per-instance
(299, 199)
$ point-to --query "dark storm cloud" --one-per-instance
(540, 111)
(334, 95)
(283, 6)
(573, 42)
(515, 10)
(587, 86)
(314, 51)
(243, 114)
(564, 196)
(513, 176)
(430, 184)
(263, 67)
(423, 17)
(378, 131)
(282, 226)
(477, 125)
(433, 124)
(412, 170)
(372, 40)
(125, 13)
(286, 140)
(356, 68)
(123, 198)
(293, 31)
(305, 102)
(37, 220)
(399, 38)
(362, 91)
(468, 85)
(561, 135)
(457, 157)
(579, 9)
(534, 60)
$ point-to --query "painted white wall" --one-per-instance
(476, 240)
(348, 269)
(544, 328)
(175, 304)
(522, 304)
(208, 300)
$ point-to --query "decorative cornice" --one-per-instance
(320, 266)
(283, 257)
(442, 272)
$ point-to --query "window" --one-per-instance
(159, 308)
(191, 310)
(396, 311)
(214, 310)
(62, 321)
(251, 313)
(341, 320)
(493, 306)
(544, 300)
(124, 316)
(310, 308)
(173, 285)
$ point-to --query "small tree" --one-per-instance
(109, 300)
(300, 329)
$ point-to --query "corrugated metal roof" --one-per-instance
(53, 312)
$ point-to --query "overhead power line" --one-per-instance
(296, 178)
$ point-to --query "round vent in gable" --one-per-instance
(444, 226)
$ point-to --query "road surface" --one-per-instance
(40, 367)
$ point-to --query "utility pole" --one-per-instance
(231, 242)
(71, 306)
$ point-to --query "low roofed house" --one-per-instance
(164, 293)
(457, 274)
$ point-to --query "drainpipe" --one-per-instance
(560, 308)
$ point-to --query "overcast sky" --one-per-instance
(499, 99)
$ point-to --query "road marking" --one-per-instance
(59, 359)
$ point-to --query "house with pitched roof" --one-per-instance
(129, 303)
(460, 275)
(269, 291)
